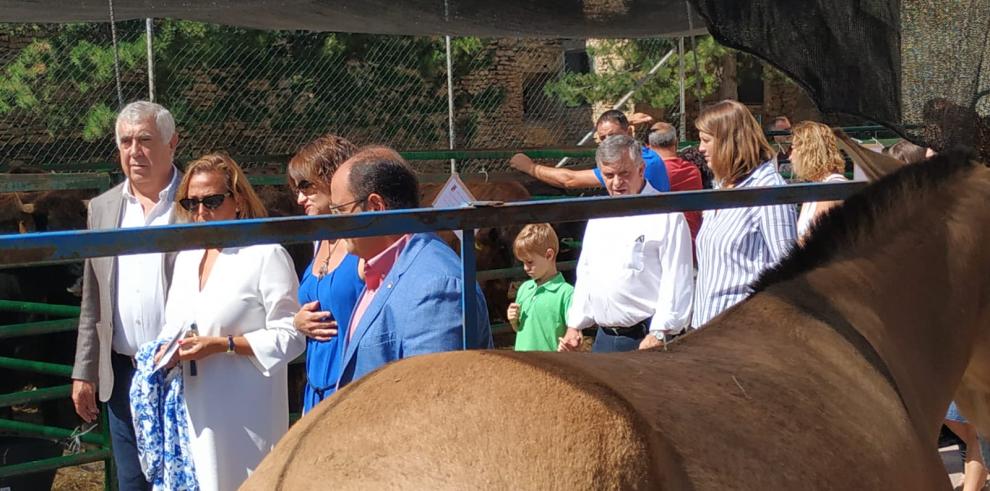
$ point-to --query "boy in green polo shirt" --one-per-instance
(539, 313)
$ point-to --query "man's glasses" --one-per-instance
(211, 202)
(339, 209)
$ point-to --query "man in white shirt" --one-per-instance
(635, 275)
(123, 298)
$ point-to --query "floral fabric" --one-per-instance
(161, 424)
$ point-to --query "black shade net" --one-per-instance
(921, 67)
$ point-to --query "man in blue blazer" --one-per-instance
(411, 303)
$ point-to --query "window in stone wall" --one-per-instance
(749, 73)
(577, 61)
(537, 106)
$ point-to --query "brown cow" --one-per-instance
(15, 216)
(836, 374)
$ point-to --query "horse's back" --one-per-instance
(468, 420)
(708, 414)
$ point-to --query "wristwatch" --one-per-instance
(230, 345)
(660, 335)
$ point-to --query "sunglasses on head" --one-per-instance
(211, 202)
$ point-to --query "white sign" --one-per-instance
(455, 194)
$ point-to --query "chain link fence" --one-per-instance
(260, 95)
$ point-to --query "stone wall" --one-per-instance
(785, 98)
(522, 66)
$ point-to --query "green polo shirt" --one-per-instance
(542, 313)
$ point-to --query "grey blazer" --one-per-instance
(99, 298)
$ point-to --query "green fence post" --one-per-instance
(37, 395)
(52, 432)
(39, 308)
(34, 328)
(53, 463)
(36, 366)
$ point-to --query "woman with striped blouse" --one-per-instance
(735, 245)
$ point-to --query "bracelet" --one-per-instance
(230, 344)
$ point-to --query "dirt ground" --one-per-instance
(87, 477)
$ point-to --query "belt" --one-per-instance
(640, 327)
(130, 359)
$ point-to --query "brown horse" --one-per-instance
(835, 374)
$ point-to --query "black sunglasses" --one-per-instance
(304, 185)
(211, 202)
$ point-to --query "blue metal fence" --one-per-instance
(56, 247)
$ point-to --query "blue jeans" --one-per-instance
(606, 342)
(125, 455)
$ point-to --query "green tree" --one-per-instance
(61, 71)
(621, 64)
(224, 84)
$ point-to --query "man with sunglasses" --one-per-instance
(123, 299)
(610, 123)
(411, 303)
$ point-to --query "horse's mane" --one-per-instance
(846, 225)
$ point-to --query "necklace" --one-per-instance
(326, 262)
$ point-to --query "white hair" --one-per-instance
(139, 111)
(612, 149)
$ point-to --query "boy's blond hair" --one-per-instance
(536, 238)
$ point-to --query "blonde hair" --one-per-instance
(536, 238)
(739, 143)
(815, 153)
(248, 203)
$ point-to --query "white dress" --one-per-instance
(237, 405)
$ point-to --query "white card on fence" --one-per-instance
(455, 194)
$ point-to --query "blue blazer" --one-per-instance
(417, 310)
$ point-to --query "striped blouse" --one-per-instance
(734, 245)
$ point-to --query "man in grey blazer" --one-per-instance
(123, 299)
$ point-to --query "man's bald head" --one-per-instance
(380, 171)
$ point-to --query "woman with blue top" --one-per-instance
(735, 245)
(332, 282)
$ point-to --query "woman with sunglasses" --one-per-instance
(241, 300)
(331, 284)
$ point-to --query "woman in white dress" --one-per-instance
(816, 158)
(242, 300)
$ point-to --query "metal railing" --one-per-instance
(101, 438)
(59, 247)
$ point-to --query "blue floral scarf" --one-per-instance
(160, 423)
